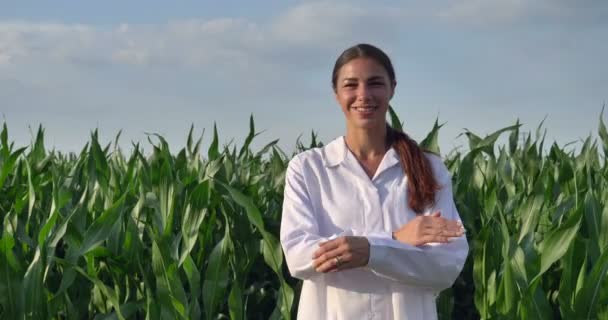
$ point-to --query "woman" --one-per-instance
(369, 222)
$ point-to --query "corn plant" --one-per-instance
(155, 235)
(102, 235)
(538, 226)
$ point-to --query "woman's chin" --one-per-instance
(367, 124)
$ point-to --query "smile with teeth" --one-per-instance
(364, 108)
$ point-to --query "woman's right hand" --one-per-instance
(427, 229)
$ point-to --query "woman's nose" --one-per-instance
(363, 92)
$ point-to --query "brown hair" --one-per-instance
(421, 182)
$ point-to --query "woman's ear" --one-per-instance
(393, 86)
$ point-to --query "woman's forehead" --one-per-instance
(362, 68)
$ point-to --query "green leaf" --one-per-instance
(487, 144)
(588, 299)
(11, 298)
(31, 192)
(193, 218)
(252, 134)
(4, 138)
(395, 122)
(514, 137)
(100, 229)
(271, 248)
(254, 215)
(193, 275)
(213, 152)
(168, 286)
(216, 275)
(33, 287)
(593, 222)
(108, 292)
(530, 213)
(235, 302)
(8, 165)
(60, 198)
(603, 133)
(128, 310)
(555, 245)
(431, 141)
(572, 263)
(536, 306)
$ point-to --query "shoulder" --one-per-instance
(440, 170)
(308, 158)
(320, 157)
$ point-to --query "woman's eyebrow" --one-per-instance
(369, 79)
(375, 78)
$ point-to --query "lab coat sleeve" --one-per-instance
(299, 226)
(433, 265)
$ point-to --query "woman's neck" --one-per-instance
(367, 144)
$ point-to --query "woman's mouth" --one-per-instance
(364, 109)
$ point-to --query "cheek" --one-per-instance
(381, 94)
(346, 99)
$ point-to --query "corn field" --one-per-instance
(105, 235)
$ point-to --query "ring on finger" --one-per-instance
(338, 261)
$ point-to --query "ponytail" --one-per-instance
(421, 183)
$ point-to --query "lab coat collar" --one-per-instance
(335, 153)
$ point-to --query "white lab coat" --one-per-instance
(328, 195)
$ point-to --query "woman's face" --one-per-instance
(363, 90)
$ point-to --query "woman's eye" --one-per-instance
(376, 84)
(350, 85)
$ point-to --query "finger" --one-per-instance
(343, 249)
(326, 247)
(431, 222)
(441, 222)
(436, 221)
(328, 265)
(323, 243)
(339, 251)
(436, 239)
(455, 226)
(332, 266)
(336, 241)
(449, 222)
(449, 233)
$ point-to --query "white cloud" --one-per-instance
(509, 12)
(484, 11)
(314, 23)
(196, 42)
(320, 25)
(223, 69)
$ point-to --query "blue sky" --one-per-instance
(152, 66)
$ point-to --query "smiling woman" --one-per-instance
(369, 222)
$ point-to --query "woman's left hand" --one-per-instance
(341, 253)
